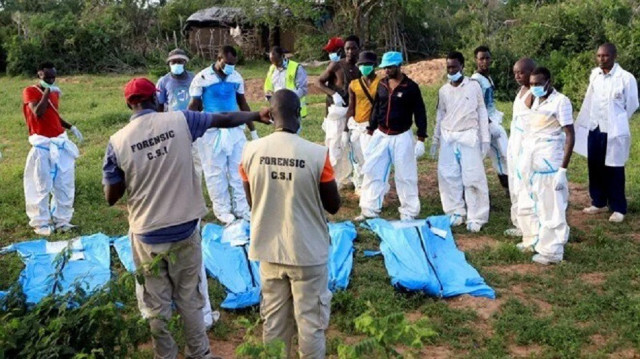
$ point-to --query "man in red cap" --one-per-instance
(334, 81)
(151, 159)
(49, 174)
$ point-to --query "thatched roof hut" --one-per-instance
(209, 29)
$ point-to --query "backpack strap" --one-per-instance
(365, 90)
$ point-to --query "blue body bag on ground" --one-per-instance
(87, 266)
(341, 254)
(422, 256)
(225, 253)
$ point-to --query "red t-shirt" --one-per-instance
(48, 124)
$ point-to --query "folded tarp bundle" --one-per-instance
(87, 266)
(422, 256)
(341, 254)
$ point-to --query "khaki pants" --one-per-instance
(296, 296)
(173, 279)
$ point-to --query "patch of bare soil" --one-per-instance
(579, 199)
(437, 352)
(517, 291)
(625, 354)
(522, 269)
(483, 307)
(466, 242)
(428, 72)
(225, 349)
(525, 351)
(595, 278)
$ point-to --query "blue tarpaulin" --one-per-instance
(341, 254)
(422, 256)
(87, 266)
(229, 264)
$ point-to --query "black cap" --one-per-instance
(367, 57)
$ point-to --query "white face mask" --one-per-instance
(334, 56)
(455, 77)
(228, 69)
(177, 69)
(539, 91)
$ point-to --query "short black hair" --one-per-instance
(353, 38)
(227, 49)
(46, 65)
(481, 48)
(278, 50)
(542, 71)
(456, 55)
(611, 47)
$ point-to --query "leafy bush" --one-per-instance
(75, 325)
(385, 333)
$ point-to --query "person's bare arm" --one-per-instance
(247, 192)
(570, 140)
(113, 192)
(328, 74)
(330, 196)
(244, 106)
(195, 104)
(40, 107)
(235, 119)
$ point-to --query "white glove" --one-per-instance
(418, 149)
(77, 133)
(560, 179)
(344, 139)
(337, 99)
(485, 149)
(254, 135)
(434, 150)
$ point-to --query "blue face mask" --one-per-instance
(177, 69)
(455, 77)
(228, 69)
(334, 56)
(539, 91)
(285, 62)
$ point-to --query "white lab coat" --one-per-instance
(623, 103)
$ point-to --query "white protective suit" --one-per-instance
(499, 138)
(514, 149)
(220, 151)
(333, 127)
(381, 152)
(50, 170)
(461, 127)
(359, 139)
(543, 218)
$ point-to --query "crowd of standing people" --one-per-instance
(192, 126)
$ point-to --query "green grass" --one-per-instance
(555, 312)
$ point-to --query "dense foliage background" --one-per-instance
(91, 36)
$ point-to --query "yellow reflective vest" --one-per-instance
(289, 83)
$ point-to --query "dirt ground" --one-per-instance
(425, 73)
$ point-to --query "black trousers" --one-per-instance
(606, 184)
